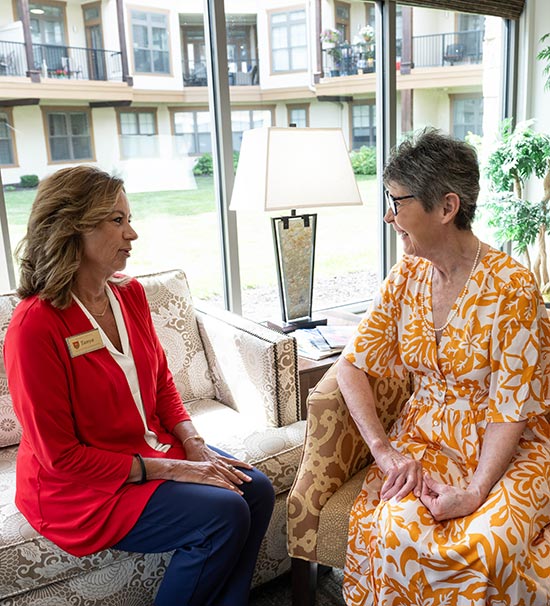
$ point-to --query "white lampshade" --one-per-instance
(292, 168)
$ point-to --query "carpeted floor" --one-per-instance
(278, 592)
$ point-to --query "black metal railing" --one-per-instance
(56, 61)
(13, 61)
(433, 50)
(349, 59)
(448, 49)
(241, 73)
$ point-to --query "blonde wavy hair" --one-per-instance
(68, 203)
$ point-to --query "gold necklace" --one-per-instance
(100, 315)
(458, 303)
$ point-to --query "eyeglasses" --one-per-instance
(394, 203)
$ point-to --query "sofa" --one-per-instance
(238, 380)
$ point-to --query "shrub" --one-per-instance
(205, 164)
(28, 180)
(363, 161)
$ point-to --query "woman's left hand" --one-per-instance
(445, 502)
(197, 450)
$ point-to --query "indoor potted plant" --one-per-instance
(520, 154)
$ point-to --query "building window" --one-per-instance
(342, 19)
(192, 132)
(69, 136)
(245, 120)
(7, 155)
(138, 134)
(150, 38)
(289, 41)
(298, 115)
(363, 127)
(467, 116)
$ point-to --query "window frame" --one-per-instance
(11, 130)
(135, 110)
(371, 103)
(290, 107)
(286, 11)
(457, 97)
(66, 110)
(149, 11)
(188, 110)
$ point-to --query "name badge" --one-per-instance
(84, 343)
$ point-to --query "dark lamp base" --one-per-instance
(305, 323)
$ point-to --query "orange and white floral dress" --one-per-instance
(491, 365)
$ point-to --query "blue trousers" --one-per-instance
(216, 535)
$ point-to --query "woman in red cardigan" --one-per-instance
(109, 455)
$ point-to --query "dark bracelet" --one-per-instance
(143, 470)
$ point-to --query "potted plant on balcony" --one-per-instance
(519, 155)
(365, 43)
(332, 38)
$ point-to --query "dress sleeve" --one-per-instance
(520, 353)
(375, 346)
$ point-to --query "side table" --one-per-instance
(310, 373)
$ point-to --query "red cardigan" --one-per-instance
(80, 423)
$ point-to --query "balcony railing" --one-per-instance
(241, 73)
(428, 51)
(13, 61)
(448, 49)
(55, 61)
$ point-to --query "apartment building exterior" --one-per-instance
(123, 83)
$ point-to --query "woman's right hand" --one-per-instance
(402, 474)
(213, 472)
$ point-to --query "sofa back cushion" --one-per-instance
(10, 430)
(176, 325)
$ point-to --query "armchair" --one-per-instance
(329, 478)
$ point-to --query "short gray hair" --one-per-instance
(430, 165)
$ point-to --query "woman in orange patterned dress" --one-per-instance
(453, 508)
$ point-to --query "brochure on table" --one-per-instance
(322, 341)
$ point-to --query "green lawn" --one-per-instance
(180, 229)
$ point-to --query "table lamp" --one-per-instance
(288, 169)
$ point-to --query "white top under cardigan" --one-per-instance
(125, 360)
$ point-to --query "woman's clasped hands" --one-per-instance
(404, 475)
(205, 466)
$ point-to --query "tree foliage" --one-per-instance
(520, 154)
(544, 55)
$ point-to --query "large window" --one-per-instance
(7, 152)
(298, 115)
(192, 132)
(69, 135)
(467, 115)
(151, 42)
(363, 125)
(242, 120)
(288, 41)
(138, 134)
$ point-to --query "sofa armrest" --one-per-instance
(334, 452)
(254, 368)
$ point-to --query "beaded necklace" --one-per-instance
(458, 303)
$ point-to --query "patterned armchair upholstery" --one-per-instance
(239, 382)
(329, 478)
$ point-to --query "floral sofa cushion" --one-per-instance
(176, 325)
(10, 429)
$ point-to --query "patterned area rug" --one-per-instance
(278, 592)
